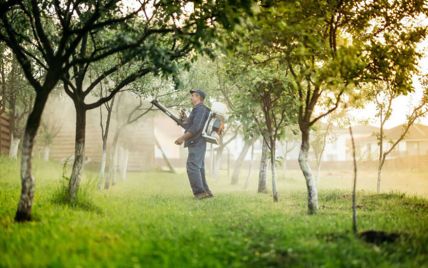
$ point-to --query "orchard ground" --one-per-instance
(151, 220)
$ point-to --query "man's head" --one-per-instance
(198, 96)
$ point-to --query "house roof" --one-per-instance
(416, 132)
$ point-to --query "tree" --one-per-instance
(250, 166)
(268, 99)
(105, 128)
(124, 118)
(261, 188)
(384, 97)
(290, 142)
(43, 35)
(231, 85)
(330, 47)
(17, 97)
(247, 145)
(277, 108)
(354, 185)
(158, 40)
(240, 118)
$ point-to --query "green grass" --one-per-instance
(151, 220)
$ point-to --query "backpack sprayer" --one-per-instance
(213, 127)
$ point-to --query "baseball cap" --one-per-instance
(199, 92)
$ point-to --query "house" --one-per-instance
(138, 139)
(415, 143)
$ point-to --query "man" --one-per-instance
(192, 138)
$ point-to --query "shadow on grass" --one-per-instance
(379, 237)
(369, 236)
(79, 204)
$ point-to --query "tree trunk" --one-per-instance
(263, 169)
(379, 174)
(238, 163)
(101, 175)
(112, 169)
(111, 177)
(23, 212)
(46, 153)
(14, 145)
(306, 170)
(217, 162)
(114, 164)
(79, 152)
(104, 137)
(108, 177)
(354, 187)
(379, 169)
(124, 170)
(250, 166)
(272, 166)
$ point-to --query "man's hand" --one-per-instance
(179, 141)
(183, 138)
(183, 115)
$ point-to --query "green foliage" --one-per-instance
(328, 48)
(151, 220)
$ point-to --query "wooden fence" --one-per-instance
(4, 134)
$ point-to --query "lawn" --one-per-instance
(151, 220)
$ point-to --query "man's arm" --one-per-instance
(197, 125)
(184, 138)
(184, 119)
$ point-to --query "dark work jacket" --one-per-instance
(195, 124)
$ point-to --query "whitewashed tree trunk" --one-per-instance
(263, 169)
(46, 153)
(307, 173)
(14, 146)
(272, 166)
(27, 180)
(102, 172)
(79, 154)
(23, 213)
(112, 168)
(217, 162)
(124, 170)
